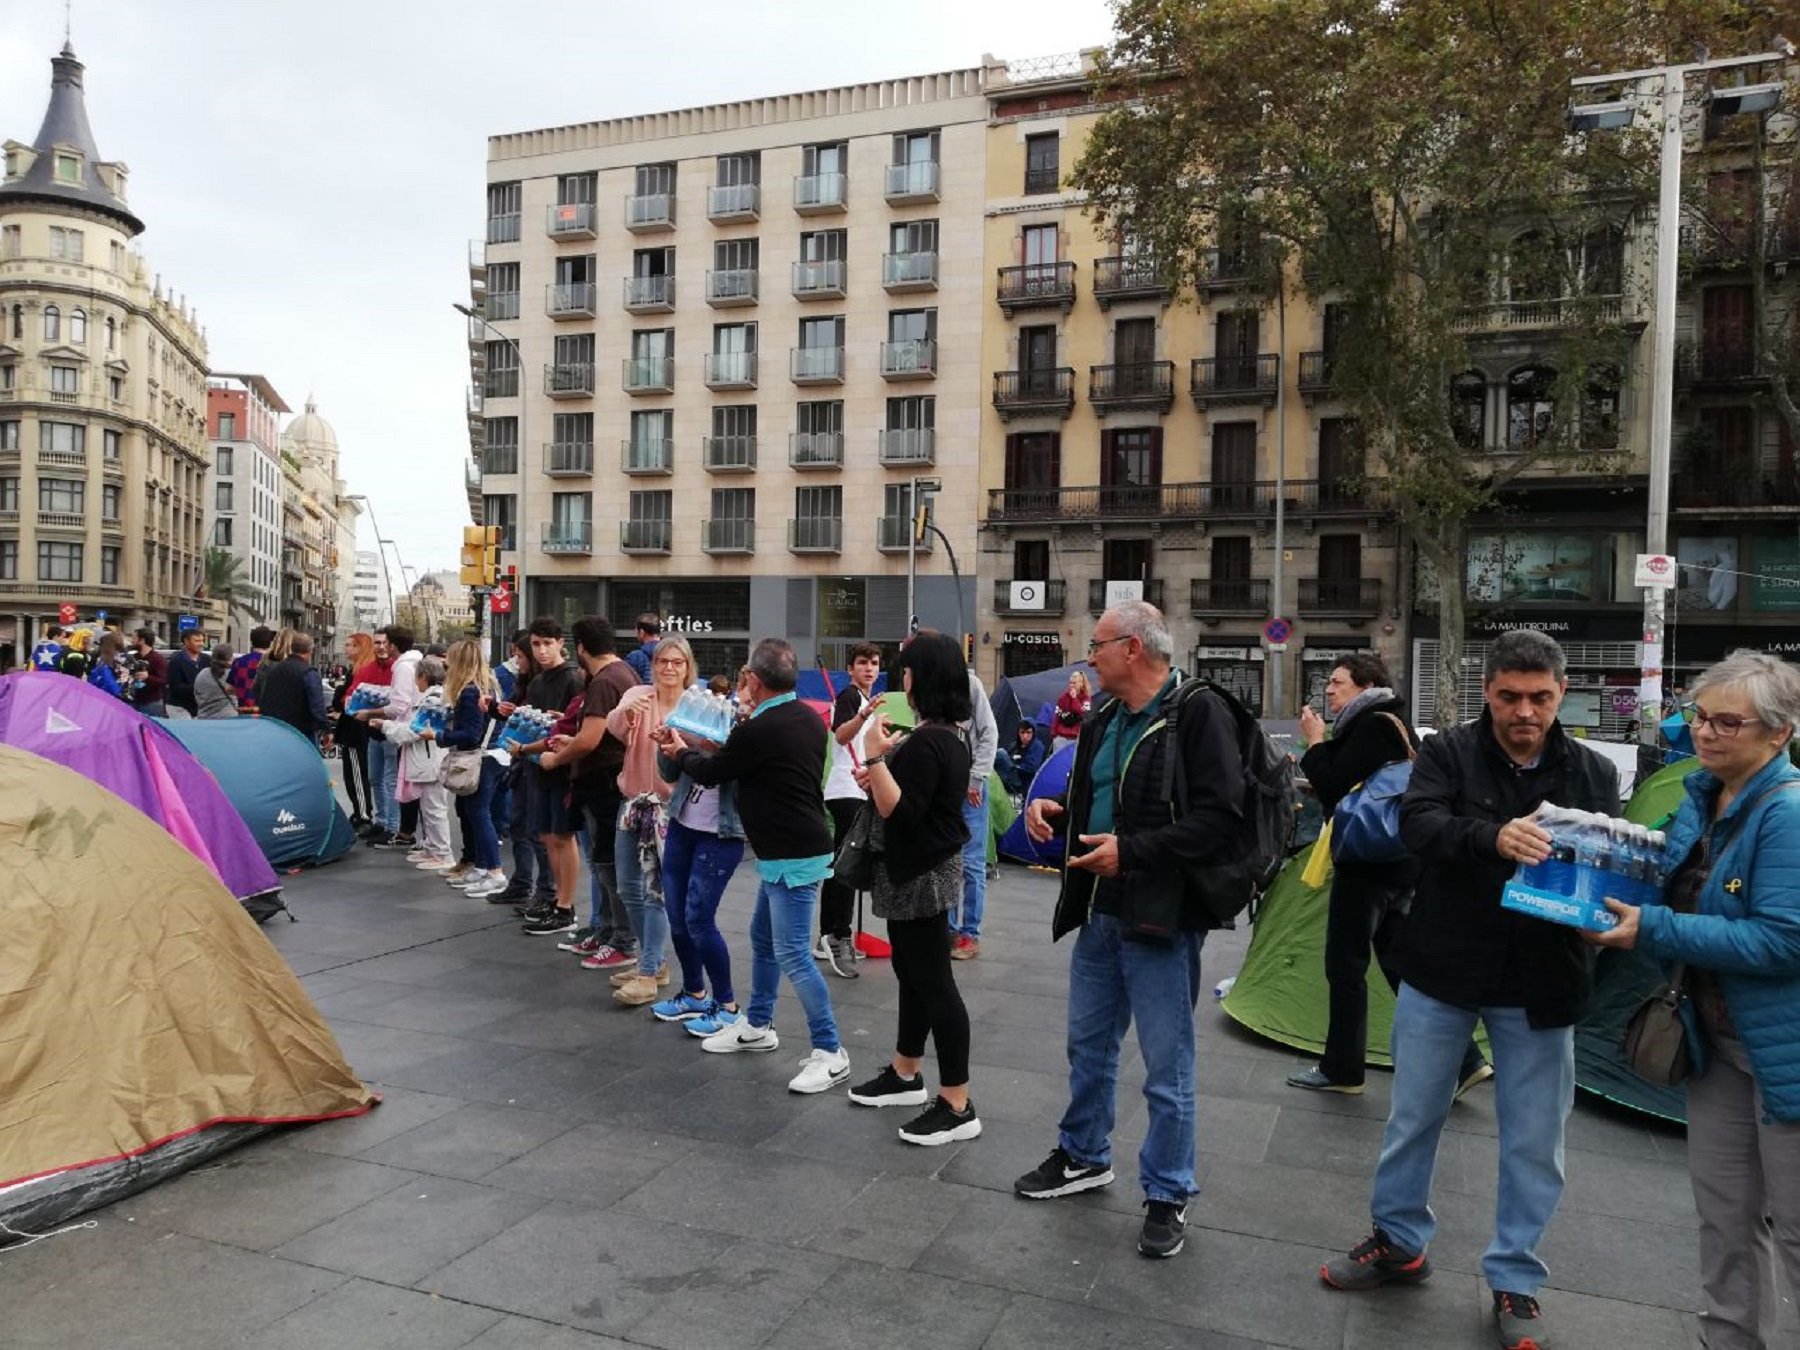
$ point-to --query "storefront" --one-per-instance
(1027, 653)
(1602, 652)
(714, 617)
(1236, 668)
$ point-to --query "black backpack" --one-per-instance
(1226, 889)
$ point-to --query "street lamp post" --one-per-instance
(918, 497)
(519, 518)
(1614, 115)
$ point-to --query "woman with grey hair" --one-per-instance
(1730, 916)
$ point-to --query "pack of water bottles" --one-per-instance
(1592, 858)
(430, 716)
(525, 726)
(367, 698)
(706, 715)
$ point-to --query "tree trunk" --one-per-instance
(1446, 546)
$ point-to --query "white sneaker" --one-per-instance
(740, 1035)
(820, 1070)
(486, 883)
(822, 948)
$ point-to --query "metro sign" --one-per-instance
(501, 601)
(1655, 571)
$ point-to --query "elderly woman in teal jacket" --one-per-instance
(1731, 913)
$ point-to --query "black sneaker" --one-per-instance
(942, 1123)
(1060, 1175)
(393, 841)
(513, 893)
(1520, 1322)
(888, 1088)
(556, 921)
(1165, 1228)
(537, 909)
(1373, 1262)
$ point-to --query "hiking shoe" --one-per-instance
(622, 977)
(738, 1035)
(842, 958)
(570, 942)
(1060, 1175)
(1520, 1322)
(1373, 1262)
(636, 992)
(712, 1023)
(965, 948)
(941, 1123)
(1314, 1080)
(556, 921)
(888, 1088)
(605, 957)
(1165, 1228)
(820, 1070)
(1475, 1079)
(684, 1007)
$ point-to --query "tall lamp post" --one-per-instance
(524, 407)
(1671, 84)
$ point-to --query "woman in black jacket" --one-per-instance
(1368, 901)
(918, 786)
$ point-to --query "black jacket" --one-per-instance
(183, 671)
(291, 691)
(1348, 757)
(779, 759)
(1152, 838)
(1459, 946)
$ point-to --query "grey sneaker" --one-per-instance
(842, 958)
(1373, 1262)
(1520, 1322)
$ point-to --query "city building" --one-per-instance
(322, 523)
(243, 414)
(103, 402)
(372, 596)
(438, 607)
(715, 346)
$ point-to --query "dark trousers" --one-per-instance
(599, 815)
(930, 1003)
(1363, 918)
(837, 902)
(531, 865)
(409, 817)
(354, 756)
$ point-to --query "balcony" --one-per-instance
(819, 194)
(650, 295)
(894, 534)
(1191, 501)
(650, 212)
(62, 520)
(568, 536)
(731, 370)
(1225, 269)
(733, 202)
(1224, 381)
(569, 379)
(648, 374)
(1719, 483)
(1317, 374)
(732, 287)
(729, 454)
(1142, 385)
(906, 184)
(569, 459)
(1224, 597)
(646, 536)
(732, 535)
(647, 456)
(1120, 279)
(1510, 316)
(1728, 245)
(501, 306)
(1036, 286)
(111, 524)
(1153, 594)
(1041, 181)
(822, 280)
(1047, 392)
(816, 365)
(1054, 594)
(908, 448)
(1713, 363)
(816, 449)
(63, 459)
(815, 534)
(910, 359)
(571, 300)
(572, 220)
(916, 271)
(1340, 597)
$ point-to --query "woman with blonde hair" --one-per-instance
(472, 694)
(1071, 708)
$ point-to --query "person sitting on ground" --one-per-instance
(1018, 764)
(213, 698)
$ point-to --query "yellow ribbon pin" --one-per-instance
(1733, 886)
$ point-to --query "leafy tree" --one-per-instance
(1383, 154)
(225, 583)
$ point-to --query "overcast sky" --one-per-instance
(311, 171)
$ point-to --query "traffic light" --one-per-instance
(480, 561)
(969, 649)
(921, 517)
(490, 556)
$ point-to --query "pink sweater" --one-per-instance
(639, 773)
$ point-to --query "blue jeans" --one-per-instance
(649, 921)
(696, 867)
(974, 861)
(477, 814)
(1113, 983)
(1534, 1089)
(384, 775)
(781, 944)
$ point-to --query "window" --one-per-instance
(651, 434)
(739, 170)
(1340, 556)
(1031, 560)
(9, 377)
(18, 322)
(503, 202)
(653, 262)
(109, 564)
(1530, 414)
(65, 244)
(733, 522)
(58, 561)
(112, 334)
(734, 270)
(912, 414)
(821, 346)
(227, 430)
(118, 256)
(500, 445)
(115, 388)
(1034, 463)
(649, 525)
(502, 291)
(78, 328)
(1533, 269)
(1231, 566)
(222, 532)
(1125, 559)
(501, 511)
(912, 236)
(65, 380)
(1039, 246)
(62, 438)
(1600, 410)
(1342, 461)
(9, 559)
(915, 163)
(574, 349)
(734, 435)
(111, 500)
(813, 504)
(1603, 262)
(831, 158)
(52, 324)
(68, 168)
(1234, 464)
(502, 362)
(1131, 469)
(912, 326)
(109, 445)
(1042, 163)
(652, 180)
(11, 241)
(222, 459)
(571, 510)
(222, 497)
(9, 494)
(1134, 351)
(896, 506)
(574, 189)
(9, 435)
(1468, 410)
(573, 433)
(1037, 356)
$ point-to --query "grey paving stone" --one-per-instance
(361, 996)
(891, 1221)
(1287, 1204)
(376, 1317)
(747, 1110)
(885, 1309)
(448, 1011)
(738, 1300)
(1579, 1320)
(401, 1109)
(1050, 1248)
(1019, 1095)
(593, 1164)
(425, 966)
(469, 1143)
(1655, 1264)
(522, 1333)
(993, 1162)
(1326, 1143)
(1044, 1324)
(1451, 1310)
(403, 1236)
(866, 1135)
(375, 1052)
(646, 1099)
(766, 1196)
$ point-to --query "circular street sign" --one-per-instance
(1278, 630)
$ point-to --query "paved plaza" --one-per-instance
(549, 1170)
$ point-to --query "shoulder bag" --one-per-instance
(460, 772)
(853, 864)
(1365, 827)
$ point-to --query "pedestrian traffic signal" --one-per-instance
(969, 649)
(480, 561)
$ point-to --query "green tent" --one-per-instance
(1660, 796)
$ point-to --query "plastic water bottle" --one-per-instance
(1223, 987)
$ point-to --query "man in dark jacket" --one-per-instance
(292, 691)
(149, 696)
(1127, 841)
(184, 669)
(777, 756)
(1468, 817)
(1368, 901)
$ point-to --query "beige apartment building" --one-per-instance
(103, 455)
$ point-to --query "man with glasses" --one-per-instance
(1468, 817)
(1124, 840)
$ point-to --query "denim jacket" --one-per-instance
(730, 827)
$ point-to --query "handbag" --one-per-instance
(1656, 1041)
(460, 773)
(853, 864)
(1365, 827)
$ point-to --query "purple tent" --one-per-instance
(112, 744)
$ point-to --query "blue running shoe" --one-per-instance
(682, 1008)
(708, 1024)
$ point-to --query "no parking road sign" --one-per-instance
(1277, 631)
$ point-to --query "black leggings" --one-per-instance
(930, 1002)
(353, 756)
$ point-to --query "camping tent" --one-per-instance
(1051, 780)
(110, 743)
(140, 1033)
(1019, 698)
(275, 779)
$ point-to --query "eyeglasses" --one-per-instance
(671, 660)
(1725, 724)
(1095, 644)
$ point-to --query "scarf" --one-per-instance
(1375, 693)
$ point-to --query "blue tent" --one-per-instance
(275, 779)
(812, 683)
(1051, 780)
(1021, 698)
